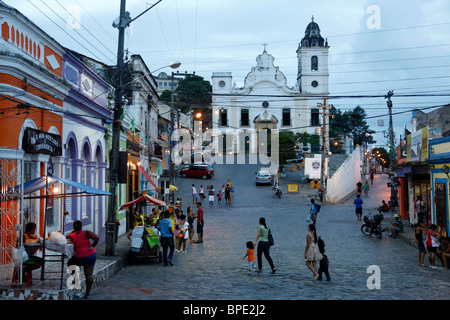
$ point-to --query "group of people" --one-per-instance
(176, 228)
(225, 194)
(314, 251)
(436, 245)
(85, 254)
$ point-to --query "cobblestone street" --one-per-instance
(215, 269)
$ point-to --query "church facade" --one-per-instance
(266, 101)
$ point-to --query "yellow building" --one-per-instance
(439, 159)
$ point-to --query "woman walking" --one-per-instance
(85, 253)
(312, 253)
(263, 245)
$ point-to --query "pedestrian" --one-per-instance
(371, 177)
(85, 252)
(165, 227)
(194, 194)
(227, 195)
(358, 202)
(182, 234)
(418, 208)
(211, 196)
(397, 226)
(201, 193)
(443, 252)
(324, 262)
(312, 253)
(190, 219)
(230, 185)
(263, 245)
(219, 198)
(359, 187)
(366, 188)
(313, 211)
(420, 226)
(250, 257)
(432, 244)
(200, 223)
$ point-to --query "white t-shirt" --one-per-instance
(194, 191)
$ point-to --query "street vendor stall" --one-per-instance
(54, 241)
(144, 238)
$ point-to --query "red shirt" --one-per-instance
(81, 244)
(200, 215)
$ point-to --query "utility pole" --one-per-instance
(121, 23)
(324, 134)
(391, 150)
(114, 160)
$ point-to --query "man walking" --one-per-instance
(165, 226)
(200, 223)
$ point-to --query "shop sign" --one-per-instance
(36, 141)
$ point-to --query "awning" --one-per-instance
(147, 176)
(141, 198)
(40, 183)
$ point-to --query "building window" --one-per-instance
(223, 118)
(315, 117)
(314, 63)
(245, 118)
(286, 117)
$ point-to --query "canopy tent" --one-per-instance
(46, 181)
(141, 198)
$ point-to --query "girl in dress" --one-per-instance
(312, 253)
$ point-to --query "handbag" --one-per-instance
(308, 219)
(271, 242)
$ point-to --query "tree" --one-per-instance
(191, 91)
(351, 122)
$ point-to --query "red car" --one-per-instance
(197, 171)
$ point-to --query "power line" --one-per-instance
(63, 29)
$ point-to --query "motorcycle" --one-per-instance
(278, 192)
(373, 226)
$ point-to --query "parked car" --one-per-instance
(198, 171)
(263, 177)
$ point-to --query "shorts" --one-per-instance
(88, 261)
(200, 226)
(421, 246)
(432, 249)
(358, 210)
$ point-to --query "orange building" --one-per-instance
(32, 92)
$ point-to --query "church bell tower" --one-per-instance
(312, 54)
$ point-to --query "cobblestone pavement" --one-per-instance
(215, 269)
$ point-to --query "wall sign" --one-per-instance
(36, 141)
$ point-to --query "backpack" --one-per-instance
(321, 245)
(317, 207)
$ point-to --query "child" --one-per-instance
(182, 234)
(219, 198)
(178, 203)
(323, 267)
(250, 257)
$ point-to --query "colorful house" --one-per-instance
(439, 161)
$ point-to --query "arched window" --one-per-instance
(314, 63)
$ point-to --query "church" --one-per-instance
(266, 101)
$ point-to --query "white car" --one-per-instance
(263, 177)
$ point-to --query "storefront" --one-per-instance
(439, 161)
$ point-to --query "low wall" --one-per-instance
(343, 182)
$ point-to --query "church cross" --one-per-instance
(265, 44)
